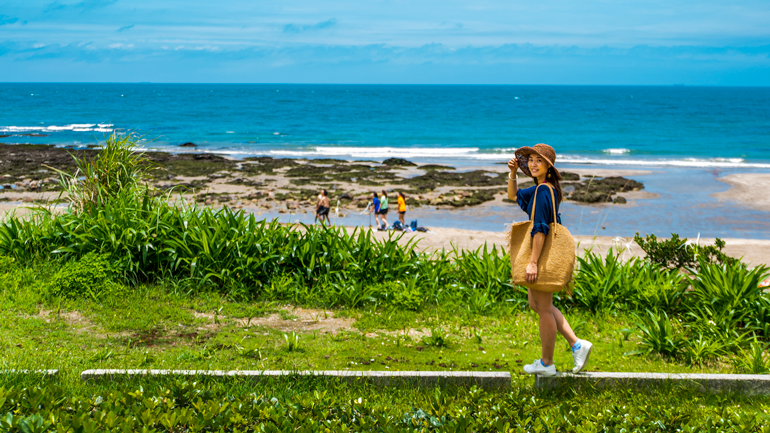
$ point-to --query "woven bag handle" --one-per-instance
(534, 202)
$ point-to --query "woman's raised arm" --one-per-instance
(513, 186)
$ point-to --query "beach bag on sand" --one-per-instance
(557, 259)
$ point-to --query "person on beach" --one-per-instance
(401, 208)
(538, 163)
(322, 207)
(384, 210)
(376, 209)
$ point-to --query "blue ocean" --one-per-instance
(688, 136)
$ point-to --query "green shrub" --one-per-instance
(648, 286)
(728, 286)
(702, 349)
(89, 277)
(676, 253)
(7, 264)
(598, 282)
(658, 336)
(281, 288)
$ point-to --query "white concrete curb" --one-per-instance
(749, 384)
(489, 380)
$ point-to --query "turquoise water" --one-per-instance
(687, 136)
(609, 125)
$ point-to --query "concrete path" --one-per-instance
(31, 372)
(749, 384)
(487, 380)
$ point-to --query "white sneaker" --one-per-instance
(537, 367)
(580, 356)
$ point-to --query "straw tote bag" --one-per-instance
(557, 258)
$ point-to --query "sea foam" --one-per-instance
(473, 153)
(77, 127)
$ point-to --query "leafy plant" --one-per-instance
(438, 337)
(702, 349)
(658, 336)
(478, 300)
(755, 359)
(254, 353)
(292, 341)
(597, 284)
(725, 286)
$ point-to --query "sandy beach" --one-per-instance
(749, 190)
(753, 251)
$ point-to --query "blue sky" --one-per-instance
(318, 41)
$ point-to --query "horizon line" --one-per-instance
(380, 84)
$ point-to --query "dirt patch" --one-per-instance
(73, 318)
(306, 320)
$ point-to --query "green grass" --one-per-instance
(303, 404)
(152, 327)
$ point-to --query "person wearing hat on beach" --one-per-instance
(537, 162)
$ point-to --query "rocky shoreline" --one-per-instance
(28, 173)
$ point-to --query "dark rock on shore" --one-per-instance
(266, 164)
(361, 174)
(435, 167)
(590, 197)
(430, 180)
(597, 190)
(400, 162)
(188, 144)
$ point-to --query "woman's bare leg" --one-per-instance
(551, 321)
(563, 327)
(542, 303)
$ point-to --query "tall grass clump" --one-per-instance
(607, 284)
(689, 305)
(116, 170)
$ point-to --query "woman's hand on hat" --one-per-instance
(513, 165)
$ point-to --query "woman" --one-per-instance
(384, 210)
(538, 163)
(401, 208)
(375, 209)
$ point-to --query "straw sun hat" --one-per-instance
(543, 150)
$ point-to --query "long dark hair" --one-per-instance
(553, 180)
